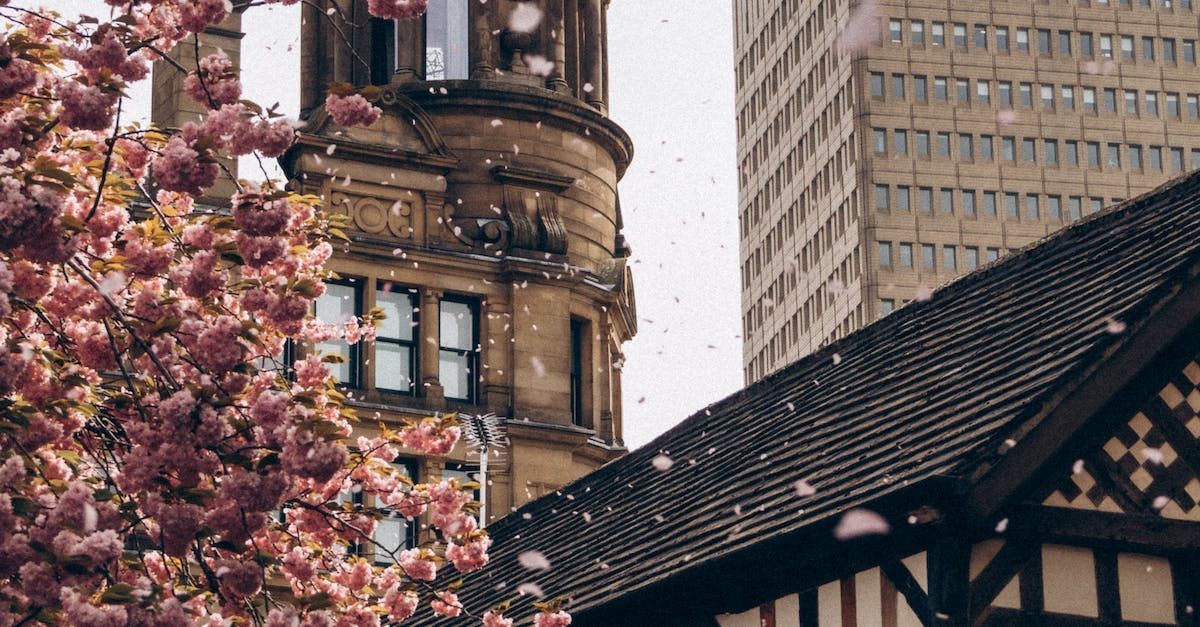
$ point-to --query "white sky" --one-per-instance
(671, 67)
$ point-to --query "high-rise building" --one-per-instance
(483, 220)
(887, 147)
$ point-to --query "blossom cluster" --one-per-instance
(160, 461)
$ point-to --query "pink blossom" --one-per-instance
(397, 9)
(552, 619)
(108, 55)
(469, 556)
(215, 82)
(306, 456)
(400, 604)
(257, 252)
(446, 604)
(16, 75)
(22, 210)
(258, 214)
(429, 438)
(86, 108)
(200, 14)
(495, 619)
(179, 168)
(297, 565)
(242, 578)
(217, 347)
(200, 276)
(417, 564)
(352, 110)
(274, 137)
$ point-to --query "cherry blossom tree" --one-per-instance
(161, 463)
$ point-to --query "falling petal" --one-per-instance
(1005, 117)
(804, 489)
(1002, 526)
(530, 589)
(525, 18)
(533, 560)
(662, 462)
(858, 523)
(1078, 467)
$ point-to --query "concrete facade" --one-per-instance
(966, 129)
(495, 194)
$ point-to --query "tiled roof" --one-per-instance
(931, 390)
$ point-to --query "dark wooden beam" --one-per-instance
(909, 588)
(1009, 561)
(1146, 533)
(1108, 589)
(949, 583)
(809, 605)
(1106, 473)
(1185, 578)
(1030, 584)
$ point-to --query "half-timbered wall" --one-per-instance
(1010, 582)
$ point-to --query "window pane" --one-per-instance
(398, 307)
(393, 367)
(446, 30)
(338, 305)
(454, 372)
(457, 325)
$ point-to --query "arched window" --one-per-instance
(447, 29)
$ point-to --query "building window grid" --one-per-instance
(395, 342)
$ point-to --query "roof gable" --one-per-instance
(932, 391)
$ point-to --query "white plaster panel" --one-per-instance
(787, 611)
(1069, 580)
(829, 605)
(868, 598)
(1146, 590)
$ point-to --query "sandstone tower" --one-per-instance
(484, 221)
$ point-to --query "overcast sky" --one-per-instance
(671, 67)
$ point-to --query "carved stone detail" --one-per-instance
(377, 216)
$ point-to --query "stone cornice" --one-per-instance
(536, 103)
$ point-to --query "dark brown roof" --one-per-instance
(932, 390)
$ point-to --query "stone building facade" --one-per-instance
(961, 131)
(484, 220)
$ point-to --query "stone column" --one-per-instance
(410, 56)
(556, 50)
(483, 42)
(342, 42)
(360, 27)
(430, 332)
(494, 342)
(593, 54)
(618, 362)
(603, 41)
(604, 376)
(313, 53)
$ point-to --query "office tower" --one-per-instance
(483, 220)
(885, 148)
